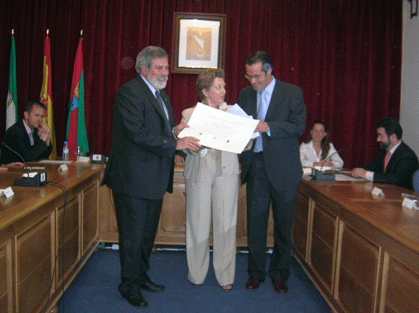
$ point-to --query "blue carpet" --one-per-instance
(95, 289)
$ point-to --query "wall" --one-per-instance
(409, 109)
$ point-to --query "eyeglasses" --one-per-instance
(249, 77)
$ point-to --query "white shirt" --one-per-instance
(309, 156)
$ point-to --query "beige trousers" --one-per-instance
(214, 197)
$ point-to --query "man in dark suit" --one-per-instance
(271, 168)
(395, 162)
(28, 137)
(140, 167)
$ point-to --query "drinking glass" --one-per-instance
(78, 151)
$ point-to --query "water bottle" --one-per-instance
(65, 151)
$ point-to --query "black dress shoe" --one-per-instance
(253, 282)
(280, 286)
(152, 287)
(136, 300)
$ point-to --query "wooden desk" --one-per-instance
(39, 254)
(172, 227)
(361, 251)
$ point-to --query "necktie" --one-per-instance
(261, 116)
(31, 138)
(387, 157)
(160, 101)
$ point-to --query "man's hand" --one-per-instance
(15, 164)
(179, 160)
(190, 143)
(177, 129)
(44, 133)
(262, 127)
(358, 172)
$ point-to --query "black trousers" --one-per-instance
(137, 221)
(260, 195)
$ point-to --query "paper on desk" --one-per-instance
(343, 177)
(218, 129)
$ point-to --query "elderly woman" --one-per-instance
(211, 192)
(318, 150)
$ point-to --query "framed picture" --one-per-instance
(198, 42)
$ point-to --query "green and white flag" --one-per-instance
(11, 104)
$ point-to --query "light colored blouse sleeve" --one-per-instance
(306, 155)
(335, 158)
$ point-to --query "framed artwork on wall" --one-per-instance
(198, 42)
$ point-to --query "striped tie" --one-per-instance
(261, 116)
(31, 138)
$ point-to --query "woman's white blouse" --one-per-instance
(308, 155)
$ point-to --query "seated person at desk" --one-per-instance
(28, 137)
(395, 162)
(3, 167)
(317, 150)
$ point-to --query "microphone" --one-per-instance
(36, 181)
(319, 175)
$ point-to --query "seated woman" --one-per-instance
(317, 150)
(211, 193)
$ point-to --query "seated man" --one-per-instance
(28, 137)
(395, 163)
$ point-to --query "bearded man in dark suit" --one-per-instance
(395, 162)
(140, 167)
(271, 168)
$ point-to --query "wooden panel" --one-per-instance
(323, 254)
(358, 272)
(402, 288)
(108, 228)
(34, 265)
(300, 226)
(6, 304)
(173, 215)
(68, 253)
(90, 215)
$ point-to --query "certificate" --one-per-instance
(218, 129)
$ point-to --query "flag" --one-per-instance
(11, 103)
(76, 126)
(46, 96)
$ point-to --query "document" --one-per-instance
(218, 129)
(237, 110)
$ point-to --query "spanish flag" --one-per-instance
(46, 96)
(76, 126)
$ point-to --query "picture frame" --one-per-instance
(198, 42)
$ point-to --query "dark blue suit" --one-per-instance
(403, 163)
(273, 176)
(17, 138)
(139, 172)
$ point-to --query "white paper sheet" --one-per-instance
(237, 110)
(218, 129)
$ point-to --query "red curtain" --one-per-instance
(344, 54)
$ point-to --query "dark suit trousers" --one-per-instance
(137, 221)
(260, 193)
